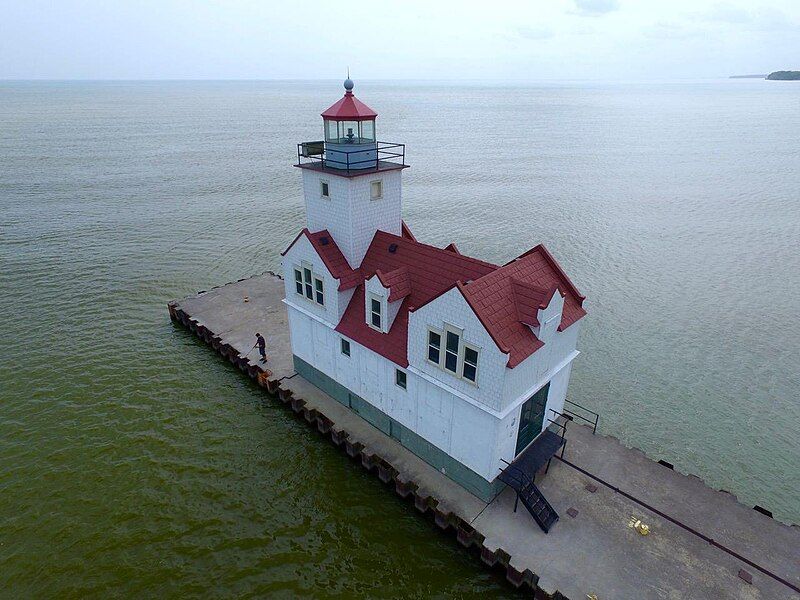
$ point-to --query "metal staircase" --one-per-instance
(541, 510)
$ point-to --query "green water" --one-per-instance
(135, 462)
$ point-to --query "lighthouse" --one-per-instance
(351, 181)
(464, 362)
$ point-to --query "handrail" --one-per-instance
(521, 476)
(563, 427)
(381, 152)
(592, 422)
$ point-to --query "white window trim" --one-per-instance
(402, 387)
(326, 182)
(370, 296)
(428, 346)
(379, 197)
(298, 270)
(462, 345)
(477, 350)
(321, 281)
(302, 267)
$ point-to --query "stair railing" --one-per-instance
(523, 480)
(562, 434)
(593, 421)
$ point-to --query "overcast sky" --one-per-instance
(391, 39)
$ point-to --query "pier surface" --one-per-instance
(702, 544)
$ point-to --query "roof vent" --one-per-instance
(324, 240)
(392, 248)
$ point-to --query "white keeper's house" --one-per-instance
(461, 361)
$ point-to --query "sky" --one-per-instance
(397, 39)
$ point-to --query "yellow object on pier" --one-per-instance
(637, 524)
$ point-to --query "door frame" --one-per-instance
(539, 397)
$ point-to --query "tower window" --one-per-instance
(376, 190)
(345, 347)
(324, 189)
(400, 378)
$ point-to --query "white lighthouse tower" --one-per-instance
(351, 181)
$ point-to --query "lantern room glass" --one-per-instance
(350, 132)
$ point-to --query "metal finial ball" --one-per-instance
(348, 84)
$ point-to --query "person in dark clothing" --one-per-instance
(262, 347)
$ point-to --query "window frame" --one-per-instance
(474, 365)
(345, 344)
(324, 185)
(312, 284)
(308, 285)
(463, 345)
(437, 332)
(459, 334)
(397, 373)
(319, 290)
(374, 298)
(298, 281)
(380, 185)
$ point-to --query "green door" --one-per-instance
(531, 418)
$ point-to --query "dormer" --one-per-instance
(384, 294)
(539, 308)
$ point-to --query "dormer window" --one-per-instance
(456, 357)
(308, 285)
(375, 317)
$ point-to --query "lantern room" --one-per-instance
(350, 141)
(350, 147)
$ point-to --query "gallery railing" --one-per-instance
(360, 157)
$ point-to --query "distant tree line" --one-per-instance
(785, 75)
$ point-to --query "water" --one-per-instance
(133, 461)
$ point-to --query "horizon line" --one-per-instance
(369, 79)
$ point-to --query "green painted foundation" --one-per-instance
(441, 461)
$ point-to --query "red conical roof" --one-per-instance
(349, 108)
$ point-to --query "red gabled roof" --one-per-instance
(431, 270)
(333, 258)
(406, 232)
(392, 345)
(427, 271)
(530, 277)
(397, 282)
(529, 300)
(349, 107)
(505, 299)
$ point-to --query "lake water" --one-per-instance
(134, 461)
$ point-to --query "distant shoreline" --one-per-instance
(784, 76)
(762, 76)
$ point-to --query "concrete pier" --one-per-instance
(702, 543)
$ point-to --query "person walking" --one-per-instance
(262, 346)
